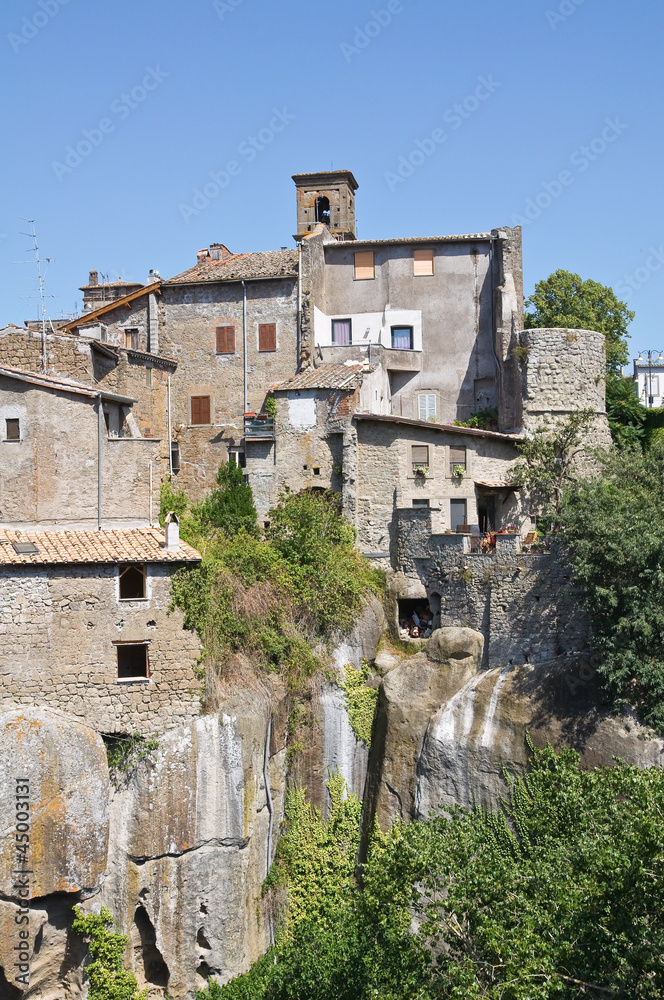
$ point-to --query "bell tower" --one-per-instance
(328, 198)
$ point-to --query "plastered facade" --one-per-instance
(58, 626)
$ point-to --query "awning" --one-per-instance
(496, 486)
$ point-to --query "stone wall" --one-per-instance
(524, 604)
(57, 629)
(386, 481)
(564, 371)
(50, 476)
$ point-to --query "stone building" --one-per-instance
(72, 455)
(85, 628)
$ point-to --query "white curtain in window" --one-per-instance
(341, 332)
(427, 405)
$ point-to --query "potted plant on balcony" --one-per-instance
(422, 471)
(459, 471)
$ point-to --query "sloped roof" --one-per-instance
(57, 382)
(326, 377)
(468, 237)
(126, 545)
(239, 266)
(446, 428)
(124, 300)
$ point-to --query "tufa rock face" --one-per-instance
(65, 766)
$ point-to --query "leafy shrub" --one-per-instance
(484, 420)
(231, 505)
(106, 974)
(613, 528)
(360, 701)
(123, 753)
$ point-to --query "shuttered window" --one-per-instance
(225, 340)
(422, 262)
(200, 409)
(13, 429)
(131, 340)
(420, 456)
(364, 265)
(457, 457)
(426, 405)
(267, 337)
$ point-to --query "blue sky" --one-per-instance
(563, 133)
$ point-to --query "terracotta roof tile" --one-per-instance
(267, 264)
(326, 377)
(142, 545)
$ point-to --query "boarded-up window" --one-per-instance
(267, 337)
(457, 458)
(364, 265)
(422, 262)
(426, 405)
(13, 429)
(132, 660)
(200, 409)
(420, 456)
(131, 340)
(225, 340)
(341, 332)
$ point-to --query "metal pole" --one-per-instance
(170, 433)
(244, 344)
(99, 425)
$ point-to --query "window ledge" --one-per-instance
(134, 680)
(133, 600)
(11, 441)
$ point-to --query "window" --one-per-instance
(175, 457)
(457, 458)
(132, 660)
(422, 262)
(13, 429)
(420, 455)
(458, 514)
(652, 386)
(239, 458)
(148, 376)
(426, 406)
(342, 332)
(402, 338)
(323, 210)
(200, 409)
(132, 583)
(422, 504)
(131, 340)
(267, 336)
(225, 340)
(364, 266)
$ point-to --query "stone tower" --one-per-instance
(328, 198)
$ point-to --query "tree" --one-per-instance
(230, 506)
(548, 457)
(627, 416)
(566, 300)
(613, 528)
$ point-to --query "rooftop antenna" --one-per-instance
(39, 261)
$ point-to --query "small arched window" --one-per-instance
(323, 210)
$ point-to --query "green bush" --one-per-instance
(360, 701)
(106, 974)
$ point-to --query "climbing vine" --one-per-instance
(360, 701)
(108, 978)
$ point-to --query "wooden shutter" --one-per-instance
(426, 402)
(422, 262)
(267, 336)
(200, 409)
(420, 454)
(364, 265)
(458, 456)
(225, 340)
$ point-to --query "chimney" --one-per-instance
(172, 532)
(202, 255)
(219, 252)
(93, 278)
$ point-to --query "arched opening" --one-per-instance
(416, 618)
(323, 209)
(155, 970)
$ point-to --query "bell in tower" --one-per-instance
(327, 198)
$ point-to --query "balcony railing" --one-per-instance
(259, 427)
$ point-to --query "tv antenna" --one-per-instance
(42, 296)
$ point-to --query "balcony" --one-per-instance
(259, 427)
